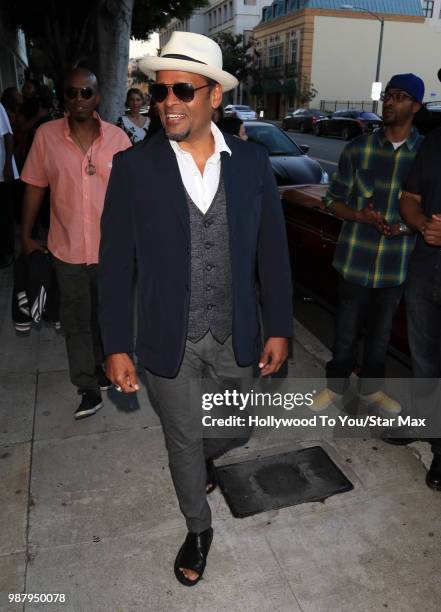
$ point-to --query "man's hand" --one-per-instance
(29, 246)
(274, 354)
(372, 217)
(394, 230)
(431, 231)
(121, 371)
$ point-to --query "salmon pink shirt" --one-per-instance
(77, 198)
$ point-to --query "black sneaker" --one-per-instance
(103, 382)
(91, 402)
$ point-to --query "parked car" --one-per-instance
(347, 124)
(312, 236)
(240, 111)
(290, 162)
(302, 119)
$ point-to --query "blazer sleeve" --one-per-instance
(116, 271)
(273, 261)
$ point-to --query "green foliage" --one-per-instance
(64, 33)
(149, 15)
(138, 76)
(307, 91)
(235, 60)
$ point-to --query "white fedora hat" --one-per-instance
(191, 53)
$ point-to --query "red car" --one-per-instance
(312, 236)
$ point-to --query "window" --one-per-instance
(428, 8)
(293, 50)
(225, 12)
(247, 35)
(230, 6)
(275, 141)
(275, 56)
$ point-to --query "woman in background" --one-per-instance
(132, 122)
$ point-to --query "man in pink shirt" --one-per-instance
(73, 156)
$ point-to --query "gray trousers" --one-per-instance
(207, 366)
(79, 318)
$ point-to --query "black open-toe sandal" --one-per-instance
(193, 555)
(211, 476)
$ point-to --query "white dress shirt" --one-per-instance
(5, 128)
(201, 188)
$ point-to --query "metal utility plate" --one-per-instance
(269, 483)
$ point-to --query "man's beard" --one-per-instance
(180, 136)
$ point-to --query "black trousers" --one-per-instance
(79, 319)
(423, 309)
(361, 306)
(7, 220)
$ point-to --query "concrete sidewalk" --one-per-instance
(88, 509)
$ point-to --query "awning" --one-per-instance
(289, 88)
(272, 86)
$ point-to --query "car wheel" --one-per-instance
(345, 134)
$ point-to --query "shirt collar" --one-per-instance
(219, 143)
(95, 115)
(414, 137)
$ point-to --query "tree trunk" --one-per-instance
(114, 23)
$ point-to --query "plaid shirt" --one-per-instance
(371, 170)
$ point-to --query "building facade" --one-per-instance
(306, 44)
(234, 16)
(195, 23)
(432, 12)
(13, 57)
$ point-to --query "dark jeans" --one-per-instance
(79, 319)
(7, 221)
(361, 307)
(423, 308)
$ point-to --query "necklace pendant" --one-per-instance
(90, 169)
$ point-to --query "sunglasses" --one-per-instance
(183, 91)
(85, 92)
(398, 96)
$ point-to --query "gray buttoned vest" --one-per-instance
(211, 286)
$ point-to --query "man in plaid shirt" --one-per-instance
(374, 246)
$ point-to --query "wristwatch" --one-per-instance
(403, 228)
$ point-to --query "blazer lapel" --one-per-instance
(170, 184)
(231, 176)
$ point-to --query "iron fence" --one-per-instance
(331, 106)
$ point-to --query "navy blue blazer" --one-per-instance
(145, 240)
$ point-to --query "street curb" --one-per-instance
(311, 343)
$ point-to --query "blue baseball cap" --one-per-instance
(410, 83)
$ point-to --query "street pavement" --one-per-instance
(88, 509)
